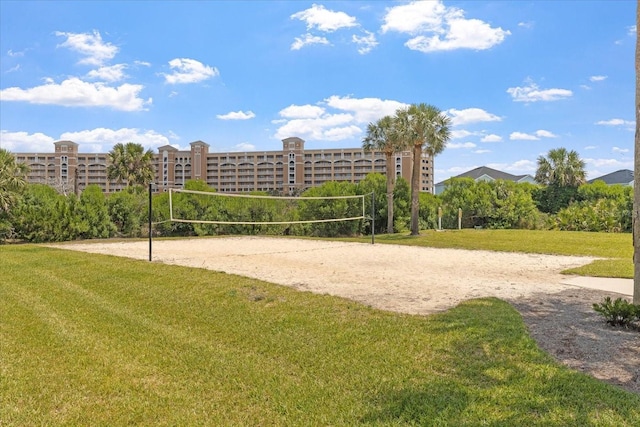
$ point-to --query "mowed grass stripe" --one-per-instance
(120, 342)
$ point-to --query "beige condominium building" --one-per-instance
(289, 170)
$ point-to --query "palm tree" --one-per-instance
(12, 179)
(129, 163)
(636, 182)
(424, 128)
(561, 168)
(383, 137)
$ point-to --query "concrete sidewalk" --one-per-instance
(620, 286)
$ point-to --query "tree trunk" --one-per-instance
(415, 189)
(636, 175)
(391, 178)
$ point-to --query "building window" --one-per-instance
(64, 169)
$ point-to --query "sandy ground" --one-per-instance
(423, 281)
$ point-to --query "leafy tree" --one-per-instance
(600, 190)
(331, 208)
(513, 206)
(402, 205)
(13, 177)
(552, 199)
(429, 204)
(474, 198)
(606, 215)
(128, 211)
(95, 213)
(129, 163)
(423, 128)
(494, 204)
(562, 172)
(375, 183)
(598, 207)
(382, 136)
(41, 215)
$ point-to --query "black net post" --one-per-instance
(150, 212)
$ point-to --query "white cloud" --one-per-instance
(616, 122)
(342, 133)
(322, 19)
(25, 142)
(308, 39)
(189, 71)
(102, 140)
(13, 54)
(520, 136)
(110, 73)
(597, 78)
(590, 147)
(619, 150)
(142, 63)
(517, 168)
(330, 128)
(74, 92)
(91, 46)
(99, 140)
(339, 118)
(482, 151)
(437, 27)
(545, 134)
(301, 112)
(243, 146)
(236, 115)
(491, 138)
(415, 17)
(610, 163)
(463, 34)
(533, 93)
(365, 110)
(471, 115)
(585, 87)
(13, 69)
(526, 24)
(366, 43)
(461, 145)
(461, 133)
(633, 30)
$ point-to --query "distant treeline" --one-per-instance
(40, 214)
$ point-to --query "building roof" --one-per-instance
(622, 176)
(491, 173)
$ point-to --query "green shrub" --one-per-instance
(619, 312)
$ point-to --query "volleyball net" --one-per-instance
(213, 208)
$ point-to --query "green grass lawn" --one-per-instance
(97, 340)
(616, 247)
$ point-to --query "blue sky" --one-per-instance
(518, 78)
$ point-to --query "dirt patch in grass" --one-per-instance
(565, 325)
(418, 280)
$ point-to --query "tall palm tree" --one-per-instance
(636, 182)
(12, 179)
(423, 128)
(561, 168)
(382, 136)
(129, 163)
